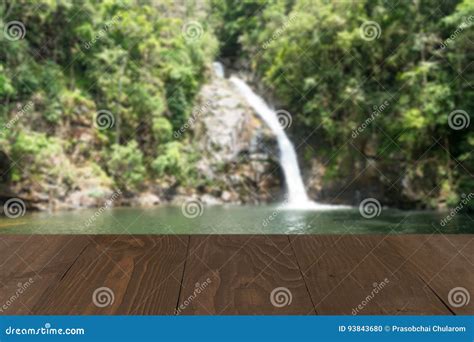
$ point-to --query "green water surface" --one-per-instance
(233, 220)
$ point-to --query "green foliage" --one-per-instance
(39, 158)
(313, 56)
(6, 88)
(77, 58)
(125, 164)
(233, 17)
(162, 129)
(36, 145)
(174, 160)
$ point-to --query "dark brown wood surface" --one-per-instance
(242, 272)
(37, 264)
(443, 262)
(236, 274)
(143, 272)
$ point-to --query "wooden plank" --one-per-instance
(145, 273)
(237, 275)
(31, 265)
(345, 277)
(28, 255)
(409, 295)
(123, 274)
(444, 262)
(18, 296)
(328, 264)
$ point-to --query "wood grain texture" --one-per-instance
(232, 274)
(242, 272)
(407, 293)
(142, 272)
(362, 274)
(339, 273)
(443, 262)
(31, 265)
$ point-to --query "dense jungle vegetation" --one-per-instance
(311, 55)
(82, 57)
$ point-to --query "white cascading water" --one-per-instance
(297, 197)
(218, 69)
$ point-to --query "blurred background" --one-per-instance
(107, 97)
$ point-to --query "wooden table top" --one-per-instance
(236, 274)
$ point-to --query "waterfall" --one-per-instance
(218, 69)
(297, 197)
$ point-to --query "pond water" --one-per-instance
(233, 220)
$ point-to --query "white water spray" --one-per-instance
(297, 197)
